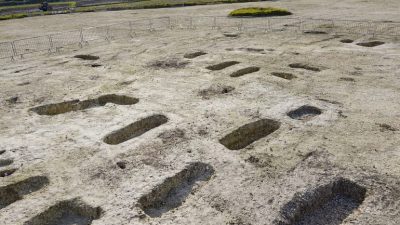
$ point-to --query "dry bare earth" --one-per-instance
(314, 149)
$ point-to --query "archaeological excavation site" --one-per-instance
(196, 116)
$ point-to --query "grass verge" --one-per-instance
(260, 12)
(143, 4)
(36, 6)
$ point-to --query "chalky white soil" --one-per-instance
(179, 173)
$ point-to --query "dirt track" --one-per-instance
(160, 138)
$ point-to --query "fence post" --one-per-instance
(131, 32)
(300, 25)
(240, 25)
(151, 25)
(14, 50)
(374, 30)
(268, 28)
(214, 26)
(169, 23)
(107, 33)
(191, 23)
(51, 45)
(81, 37)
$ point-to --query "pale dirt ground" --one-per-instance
(344, 141)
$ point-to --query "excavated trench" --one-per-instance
(244, 71)
(370, 43)
(173, 191)
(214, 90)
(87, 57)
(7, 172)
(249, 133)
(304, 112)
(194, 54)
(69, 212)
(287, 76)
(6, 162)
(223, 65)
(15, 192)
(76, 105)
(304, 66)
(135, 129)
(330, 204)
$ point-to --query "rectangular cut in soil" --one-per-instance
(326, 205)
(223, 65)
(194, 54)
(70, 212)
(287, 76)
(75, 105)
(14, 192)
(135, 129)
(249, 133)
(174, 190)
(244, 71)
(304, 66)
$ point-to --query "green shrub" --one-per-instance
(258, 12)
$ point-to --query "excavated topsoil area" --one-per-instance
(183, 127)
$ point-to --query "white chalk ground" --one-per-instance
(345, 140)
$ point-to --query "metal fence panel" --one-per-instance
(144, 26)
(32, 45)
(140, 25)
(354, 27)
(6, 50)
(158, 24)
(317, 25)
(117, 31)
(66, 38)
(387, 29)
(284, 24)
(94, 33)
(182, 22)
(227, 22)
(202, 22)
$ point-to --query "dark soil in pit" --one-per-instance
(173, 191)
(247, 70)
(172, 63)
(348, 41)
(121, 164)
(70, 212)
(315, 32)
(249, 133)
(194, 54)
(258, 50)
(135, 129)
(231, 35)
(304, 112)
(12, 100)
(348, 79)
(214, 90)
(7, 172)
(371, 43)
(386, 127)
(95, 65)
(75, 105)
(14, 192)
(5, 162)
(325, 205)
(221, 66)
(87, 57)
(287, 76)
(304, 66)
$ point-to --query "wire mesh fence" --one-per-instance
(84, 36)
